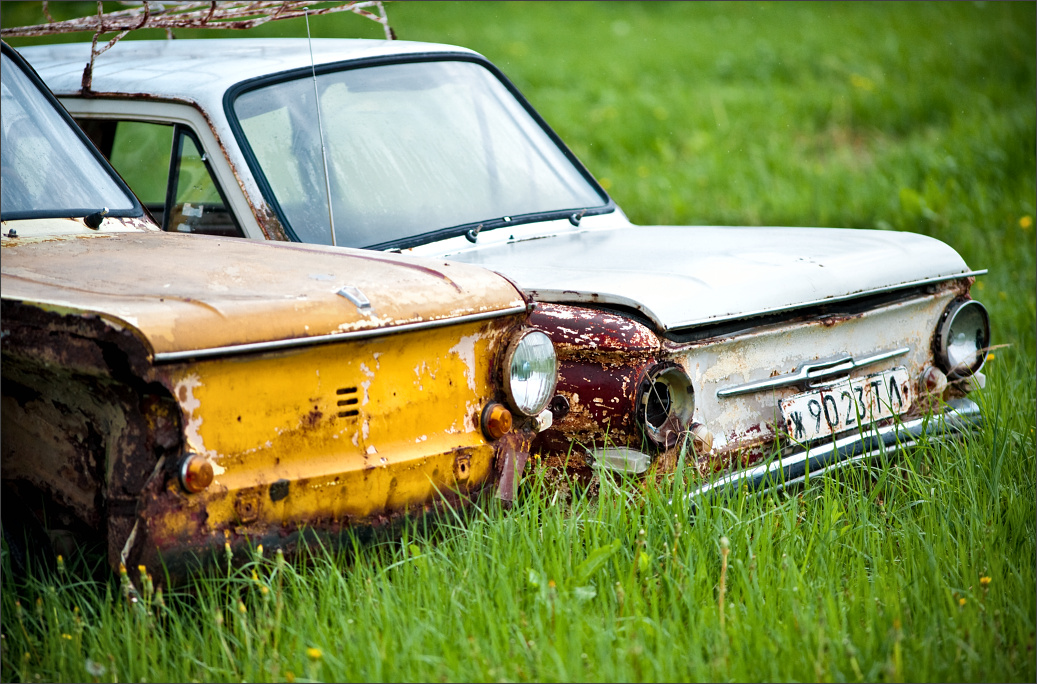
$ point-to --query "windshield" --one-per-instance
(411, 148)
(47, 169)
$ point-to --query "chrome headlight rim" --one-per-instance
(945, 330)
(513, 391)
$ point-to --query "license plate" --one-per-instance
(847, 405)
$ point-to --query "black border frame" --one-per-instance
(136, 211)
(574, 214)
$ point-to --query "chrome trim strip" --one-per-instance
(680, 327)
(818, 370)
(275, 345)
(963, 415)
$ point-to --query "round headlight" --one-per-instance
(962, 338)
(530, 372)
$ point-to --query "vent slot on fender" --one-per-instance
(347, 402)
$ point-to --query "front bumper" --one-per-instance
(963, 416)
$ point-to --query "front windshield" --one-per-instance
(47, 169)
(411, 148)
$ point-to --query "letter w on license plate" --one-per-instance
(847, 405)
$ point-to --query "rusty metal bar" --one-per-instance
(221, 15)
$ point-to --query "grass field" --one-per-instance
(912, 116)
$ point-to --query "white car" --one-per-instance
(781, 350)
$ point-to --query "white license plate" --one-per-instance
(847, 405)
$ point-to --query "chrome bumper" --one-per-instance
(963, 416)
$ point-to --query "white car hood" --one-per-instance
(683, 276)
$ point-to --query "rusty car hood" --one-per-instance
(684, 276)
(185, 293)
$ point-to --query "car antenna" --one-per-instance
(320, 129)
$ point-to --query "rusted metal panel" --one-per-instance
(325, 438)
(322, 438)
(83, 420)
(602, 358)
(240, 292)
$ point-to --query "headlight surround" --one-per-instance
(530, 372)
(962, 338)
(665, 403)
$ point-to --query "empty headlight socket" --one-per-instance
(942, 338)
(665, 403)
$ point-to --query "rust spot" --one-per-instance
(512, 454)
(579, 330)
(462, 467)
(246, 506)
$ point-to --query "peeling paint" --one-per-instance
(465, 349)
(184, 391)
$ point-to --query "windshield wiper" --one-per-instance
(472, 230)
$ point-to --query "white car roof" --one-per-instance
(201, 70)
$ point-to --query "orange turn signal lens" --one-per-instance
(496, 421)
(195, 473)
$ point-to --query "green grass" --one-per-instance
(911, 116)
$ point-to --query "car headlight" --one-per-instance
(530, 372)
(962, 338)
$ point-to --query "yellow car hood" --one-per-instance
(189, 293)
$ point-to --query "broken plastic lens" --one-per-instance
(532, 370)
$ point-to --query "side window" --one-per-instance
(197, 204)
(140, 153)
(164, 166)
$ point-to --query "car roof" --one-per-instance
(203, 69)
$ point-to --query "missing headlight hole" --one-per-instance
(665, 401)
(658, 407)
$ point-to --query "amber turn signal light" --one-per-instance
(195, 473)
(496, 421)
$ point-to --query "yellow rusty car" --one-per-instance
(166, 394)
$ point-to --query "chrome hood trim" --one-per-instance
(688, 276)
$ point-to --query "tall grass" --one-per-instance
(916, 116)
(918, 569)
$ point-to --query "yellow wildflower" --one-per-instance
(1026, 223)
(985, 581)
(961, 602)
(313, 653)
(862, 82)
